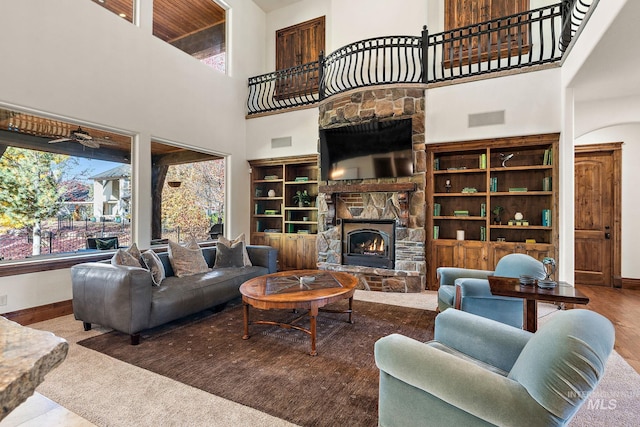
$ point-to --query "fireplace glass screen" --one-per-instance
(368, 244)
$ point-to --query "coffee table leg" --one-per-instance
(350, 309)
(313, 313)
(245, 313)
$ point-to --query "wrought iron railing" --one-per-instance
(574, 13)
(372, 62)
(516, 41)
(291, 87)
(534, 37)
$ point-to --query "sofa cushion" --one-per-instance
(223, 241)
(154, 265)
(230, 256)
(187, 260)
(130, 257)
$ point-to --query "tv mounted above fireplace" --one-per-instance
(375, 149)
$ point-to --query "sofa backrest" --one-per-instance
(564, 360)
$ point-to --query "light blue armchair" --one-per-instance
(468, 289)
(479, 372)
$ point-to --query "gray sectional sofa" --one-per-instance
(124, 298)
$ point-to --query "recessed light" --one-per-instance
(122, 15)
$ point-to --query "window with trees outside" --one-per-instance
(64, 186)
(61, 185)
(192, 198)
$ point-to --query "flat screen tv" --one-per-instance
(375, 149)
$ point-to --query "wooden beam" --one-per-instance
(178, 158)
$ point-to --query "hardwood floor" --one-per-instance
(622, 308)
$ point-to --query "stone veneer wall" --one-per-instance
(358, 106)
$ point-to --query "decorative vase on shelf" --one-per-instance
(271, 193)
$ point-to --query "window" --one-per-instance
(189, 193)
(297, 45)
(511, 40)
(122, 8)
(60, 185)
(196, 27)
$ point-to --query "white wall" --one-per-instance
(356, 20)
(77, 61)
(531, 102)
(301, 126)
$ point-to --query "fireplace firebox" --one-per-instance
(369, 242)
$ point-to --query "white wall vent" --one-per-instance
(486, 119)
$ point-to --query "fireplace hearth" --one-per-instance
(368, 243)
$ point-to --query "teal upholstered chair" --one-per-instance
(468, 289)
(479, 372)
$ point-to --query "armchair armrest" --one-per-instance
(483, 339)
(473, 287)
(448, 275)
(460, 383)
(113, 296)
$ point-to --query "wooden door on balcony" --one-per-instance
(462, 13)
(295, 46)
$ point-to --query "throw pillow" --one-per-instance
(229, 256)
(107, 243)
(154, 265)
(130, 257)
(188, 259)
(223, 241)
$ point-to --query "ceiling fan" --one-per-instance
(80, 136)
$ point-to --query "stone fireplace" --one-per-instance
(355, 214)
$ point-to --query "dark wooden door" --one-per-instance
(597, 215)
(297, 45)
(462, 13)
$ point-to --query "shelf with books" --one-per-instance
(285, 216)
(516, 175)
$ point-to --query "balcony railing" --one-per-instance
(530, 38)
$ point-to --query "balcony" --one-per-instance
(536, 37)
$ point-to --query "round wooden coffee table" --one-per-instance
(297, 289)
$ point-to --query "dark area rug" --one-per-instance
(272, 371)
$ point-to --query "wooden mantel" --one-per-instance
(368, 188)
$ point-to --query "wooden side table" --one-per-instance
(511, 287)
